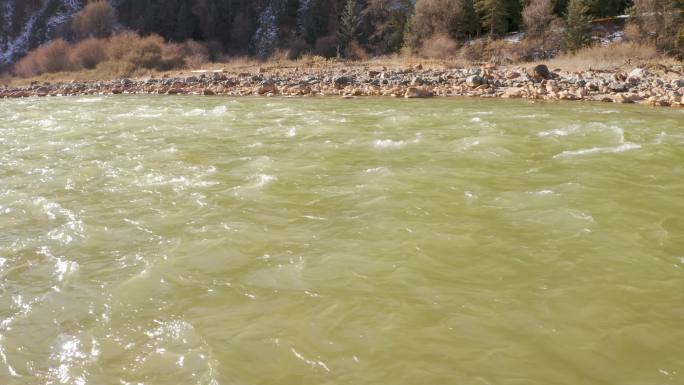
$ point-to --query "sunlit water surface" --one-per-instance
(164, 240)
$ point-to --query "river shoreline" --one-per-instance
(655, 85)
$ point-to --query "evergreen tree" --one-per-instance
(494, 15)
(349, 25)
(383, 23)
(578, 26)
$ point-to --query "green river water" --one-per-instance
(192, 240)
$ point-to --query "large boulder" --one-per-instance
(513, 92)
(416, 92)
(341, 81)
(475, 80)
(636, 75)
(618, 87)
(267, 87)
(539, 73)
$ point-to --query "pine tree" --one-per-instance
(494, 15)
(578, 26)
(349, 25)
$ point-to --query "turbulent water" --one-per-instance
(163, 240)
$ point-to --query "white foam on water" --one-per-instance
(219, 110)
(315, 218)
(177, 183)
(292, 132)
(389, 144)
(4, 360)
(263, 179)
(476, 120)
(72, 227)
(585, 129)
(67, 352)
(195, 112)
(89, 100)
(598, 150)
(543, 192)
(64, 268)
(312, 363)
(531, 116)
(177, 342)
(582, 216)
(469, 195)
(376, 170)
(467, 143)
(555, 132)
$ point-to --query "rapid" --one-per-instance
(214, 240)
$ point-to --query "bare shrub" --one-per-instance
(326, 46)
(485, 50)
(50, 57)
(355, 52)
(172, 56)
(537, 17)
(279, 55)
(194, 48)
(633, 32)
(120, 44)
(296, 48)
(195, 61)
(473, 51)
(115, 69)
(454, 18)
(661, 22)
(543, 32)
(544, 45)
(500, 52)
(148, 53)
(439, 46)
(97, 19)
(88, 53)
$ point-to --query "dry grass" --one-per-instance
(614, 57)
(622, 56)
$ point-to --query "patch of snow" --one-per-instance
(267, 31)
(11, 47)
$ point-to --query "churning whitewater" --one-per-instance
(189, 240)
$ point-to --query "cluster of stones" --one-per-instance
(659, 87)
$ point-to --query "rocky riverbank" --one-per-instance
(656, 85)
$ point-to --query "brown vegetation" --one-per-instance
(660, 22)
(97, 19)
(88, 53)
(439, 46)
(121, 55)
(50, 57)
(615, 56)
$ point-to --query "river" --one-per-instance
(193, 240)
